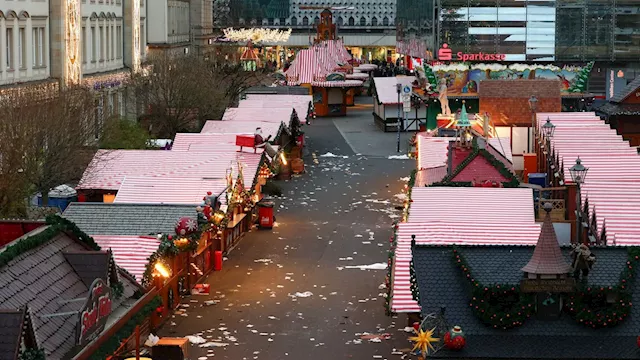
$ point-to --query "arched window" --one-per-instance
(352, 21)
(340, 21)
(270, 21)
(305, 21)
(316, 20)
(385, 21)
(363, 21)
(282, 21)
(374, 21)
(294, 21)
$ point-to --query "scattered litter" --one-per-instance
(211, 302)
(273, 318)
(357, 342)
(214, 344)
(401, 196)
(329, 154)
(346, 259)
(376, 266)
(196, 339)
(303, 294)
(201, 289)
(408, 329)
(375, 340)
(406, 178)
(375, 337)
(382, 286)
(266, 261)
(398, 157)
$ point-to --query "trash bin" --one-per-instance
(265, 213)
(60, 197)
(539, 179)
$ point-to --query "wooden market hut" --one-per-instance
(623, 112)
(386, 104)
(51, 277)
(328, 87)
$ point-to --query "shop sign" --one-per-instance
(94, 313)
(547, 285)
(446, 54)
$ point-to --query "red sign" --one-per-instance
(445, 54)
(94, 314)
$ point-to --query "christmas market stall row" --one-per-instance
(63, 296)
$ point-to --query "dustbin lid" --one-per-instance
(266, 202)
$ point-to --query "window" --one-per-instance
(107, 48)
(101, 43)
(22, 49)
(363, 21)
(119, 40)
(142, 40)
(9, 43)
(84, 45)
(34, 43)
(305, 21)
(41, 47)
(294, 21)
(374, 21)
(385, 21)
(352, 21)
(94, 44)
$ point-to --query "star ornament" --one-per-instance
(423, 341)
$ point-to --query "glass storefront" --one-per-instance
(527, 30)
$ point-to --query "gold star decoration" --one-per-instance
(423, 341)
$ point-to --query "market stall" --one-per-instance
(387, 105)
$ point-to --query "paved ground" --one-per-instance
(289, 293)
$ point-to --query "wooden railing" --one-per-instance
(554, 196)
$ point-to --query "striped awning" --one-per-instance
(130, 252)
(162, 190)
(274, 115)
(611, 185)
(241, 127)
(464, 216)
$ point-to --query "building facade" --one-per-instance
(367, 27)
(528, 30)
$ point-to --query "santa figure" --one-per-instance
(259, 140)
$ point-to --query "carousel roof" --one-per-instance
(311, 66)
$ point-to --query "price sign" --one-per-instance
(406, 102)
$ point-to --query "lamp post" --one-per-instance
(578, 174)
(533, 105)
(547, 130)
(398, 90)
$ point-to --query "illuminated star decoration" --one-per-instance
(423, 341)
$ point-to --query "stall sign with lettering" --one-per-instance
(446, 54)
(95, 312)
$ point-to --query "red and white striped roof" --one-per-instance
(281, 97)
(240, 127)
(307, 68)
(329, 54)
(163, 190)
(274, 115)
(130, 252)
(208, 142)
(448, 233)
(301, 107)
(503, 146)
(611, 185)
(464, 216)
(432, 151)
(357, 76)
(385, 88)
(108, 168)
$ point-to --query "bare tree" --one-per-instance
(44, 142)
(181, 92)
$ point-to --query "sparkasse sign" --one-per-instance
(93, 315)
(446, 54)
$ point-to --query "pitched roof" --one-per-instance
(41, 278)
(169, 191)
(619, 109)
(627, 91)
(277, 90)
(501, 265)
(547, 258)
(127, 219)
(480, 163)
(11, 322)
(242, 127)
(89, 265)
(130, 252)
(276, 115)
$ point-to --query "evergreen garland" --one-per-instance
(32, 354)
(582, 79)
(415, 291)
(113, 343)
(56, 225)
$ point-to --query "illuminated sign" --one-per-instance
(94, 314)
(446, 54)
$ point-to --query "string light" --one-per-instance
(257, 35)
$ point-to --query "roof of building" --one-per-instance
(130, 252)
(479, 163)
(460, 215)
(11, 324)
(311, 66)
(42, 278)
(109, 168)
(302, 107)
(167, 191)
(385, 88)
(564, 338)
(611, 184)
(276, 90)
(277, 115)
(619, 109)
(547, 258)
(209, 142)
(623, 94)
(426, 177)
(272, 129)
(127, 219)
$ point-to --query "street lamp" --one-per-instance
(398, 90)
(533, 105)
(578, 174)
(548, 129)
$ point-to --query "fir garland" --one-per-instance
(500, 306)
(32, 354)
(415, 291)
(113, 343)
(590, 307)
(56, 225)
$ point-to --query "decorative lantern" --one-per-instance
(186, 226)
(454, 339)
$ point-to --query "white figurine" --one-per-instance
(444, 100)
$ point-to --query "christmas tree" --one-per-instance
(582, 79)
